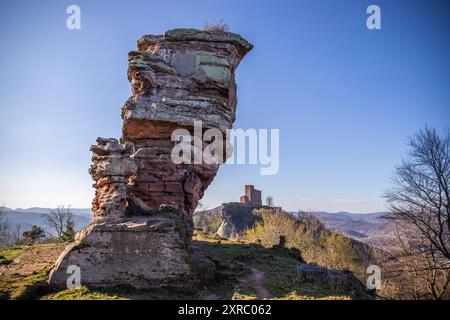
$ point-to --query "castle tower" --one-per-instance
(252, 196)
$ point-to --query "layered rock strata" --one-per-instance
(143, 205)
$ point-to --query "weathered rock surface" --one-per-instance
(234, 218)
(231, 219)
(340, 281)
(143, 205)
(141, 252)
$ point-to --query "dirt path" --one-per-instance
(256, 277)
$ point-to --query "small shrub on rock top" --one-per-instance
(216, 27)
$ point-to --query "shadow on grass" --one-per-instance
(232, 278)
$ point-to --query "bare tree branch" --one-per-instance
(58, 219)
(419, 201)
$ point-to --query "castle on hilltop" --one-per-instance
(252, 196)
(239, 216)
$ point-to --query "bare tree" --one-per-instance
(58, 219)
(419, 201)
(17, 233)
(4, 224)
(417, 270)
(269, 201)
(5, 232)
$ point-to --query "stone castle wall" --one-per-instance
(252, 196)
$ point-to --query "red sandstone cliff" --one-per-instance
(144, 202)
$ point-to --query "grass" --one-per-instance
(7, 255)
(282, 281)
(25, 274)
(23, 286)
(119, 293)
(280, 271)
(81, 293)
(294, 295)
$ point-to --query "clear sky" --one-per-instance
(344, 98)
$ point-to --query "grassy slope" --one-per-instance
(26, 275)
(280, 271)
(7, 255)
(25, 269)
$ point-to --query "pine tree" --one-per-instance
(69, 234)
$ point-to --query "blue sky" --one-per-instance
(344, 98)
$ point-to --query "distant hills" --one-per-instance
(369, 228)
(366, 227)
(26, 218)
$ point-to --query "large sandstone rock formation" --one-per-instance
(143, 206)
